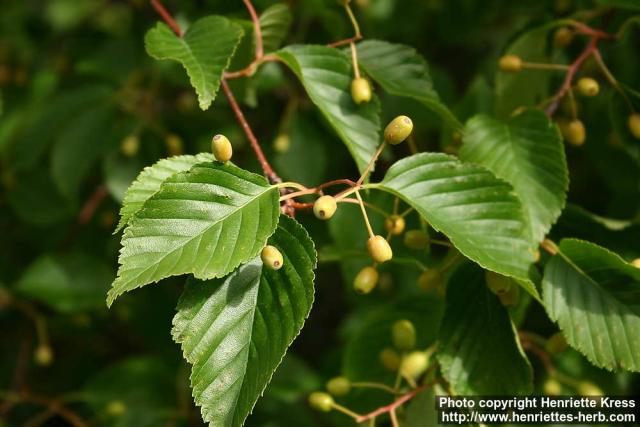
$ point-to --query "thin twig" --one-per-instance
(256, 28)
(345, 41)
(266, 167)
(398, 402)
(371, 163)
(166, 16)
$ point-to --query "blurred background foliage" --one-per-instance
(83, 109)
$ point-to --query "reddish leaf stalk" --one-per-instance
(166, 16)
(398, 402)
(591, 47)
(256, 28)
(92, 204)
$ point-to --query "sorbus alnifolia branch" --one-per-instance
(364, 214)
(345, 41)
(371, 163)
(354, 60)
(256, 28)
(166, 16)
(354, 21)
(397, 403)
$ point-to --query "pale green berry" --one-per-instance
(414, 365)
(325, 207)
(321, 401)
(510, 63)
(390, 359)
(497, 283)
(556, 343)
(379, 249)
(360, 90)
(398, 130)
(339, 386)
(430, 279)
(416, 239)
(394, 224)
(366, 280)
(588, 87)
(43, 355)
(552, 387)
(271, 257)
(221, 148)
(403, 334)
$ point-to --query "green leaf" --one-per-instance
(594, 295)
(151, 178)
(326, 75)
(527, 152)
(478, 212)
(275, 22)
(479, 352)
(78, 147)
(622, 4)
(69, 283)
(205, 51)
(235, 331)
(206, 221)
(402, 71)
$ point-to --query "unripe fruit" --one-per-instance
(511, 297)
(636, 262)
(510, 63)
(339, 386)
(360, 90)
(390, 359)
(282, 143)
(634, 125)
(43, 355)
(588, 87)
(497, 283)
(116, 408)
(398, 130)
(576, 133)
(394, 224)
(366, 280)
(174, 144)
(414, 365)
(271, 257)
(130, 146)
(321, 401)
(551, 387)
(379, 249)
(587, 388)
(403, 334)
(221, 148)
(416, 239)
(563, 37)
(430, 279)
(556, 343)
(325, 207)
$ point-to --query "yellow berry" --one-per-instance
(366, 280)
(430, 279)
(552, 387)
(587, 388)
(130, 145)
(403, 334)
(563, 36)
(271, 257)
(394, 224)
(510, 63)
(636, 262)
(497, 283)
(174, 144)
(634, 125)
(398, 130)
(282, 143)
(116, 408)
(321, 401)
(390, 359)
(43, 355)
(414, 365)
(339, 386)
(588, 86)
(360, 90)
(556, 343)
(576, 133)
(221, 148)
(511, 297)
(325, 207)
(379, 249)
(416, 239)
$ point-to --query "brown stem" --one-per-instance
(591, 47)
(256, 28)
(166, 16)
(345, 41)
(92, 204)
(266, 167)
(398, 402)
